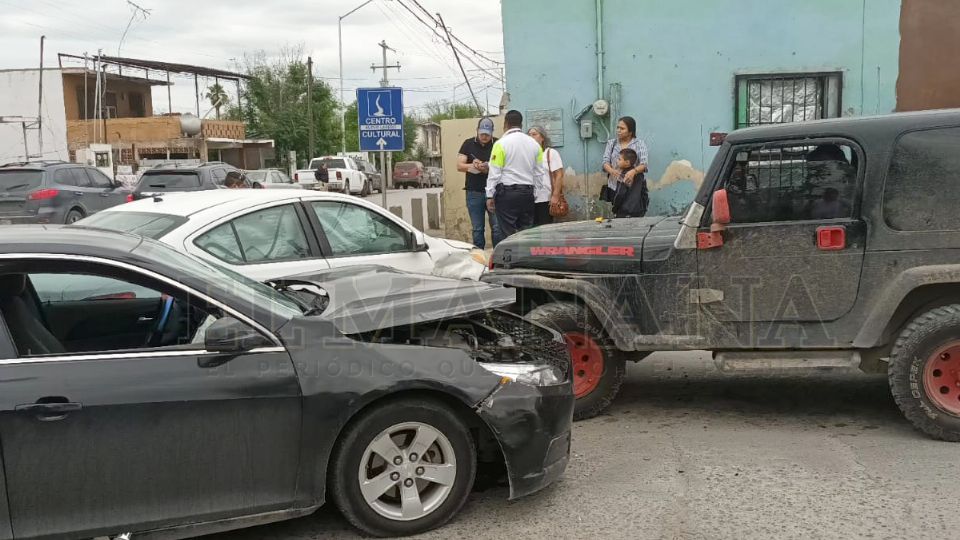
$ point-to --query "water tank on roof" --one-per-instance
(189, 124)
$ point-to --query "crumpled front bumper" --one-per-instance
(532, 425)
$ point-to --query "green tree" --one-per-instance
(217, 97)
(275, 105)
(352, 129)
(443, 110)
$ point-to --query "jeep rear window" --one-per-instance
(923, 183)
(20, 181)
(169, 181)
(147, 224)
(791, 182)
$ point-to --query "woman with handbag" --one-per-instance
(619, 181)
(549, 201)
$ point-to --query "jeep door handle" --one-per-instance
(49, 412)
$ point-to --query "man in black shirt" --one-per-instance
(474, 161)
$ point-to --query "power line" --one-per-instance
(444, 40)
(460, 41)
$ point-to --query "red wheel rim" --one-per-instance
(586, 360)
(941, 378)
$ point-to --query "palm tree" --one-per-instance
(218, 97)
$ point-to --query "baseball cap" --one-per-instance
(485, 126)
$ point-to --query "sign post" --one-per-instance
(380, 117)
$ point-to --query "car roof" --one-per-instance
(39, 165)
(851, 126)
(222, 201)
(66, 240)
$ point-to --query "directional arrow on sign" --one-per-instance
(381, 143)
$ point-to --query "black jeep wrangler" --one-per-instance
(810, 245)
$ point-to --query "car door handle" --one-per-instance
(49, 412)
(78, 193)
(104, 194)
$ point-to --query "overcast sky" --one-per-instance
(218, 33)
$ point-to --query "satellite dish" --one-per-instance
(601, 107)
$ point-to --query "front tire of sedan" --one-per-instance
(403, 468)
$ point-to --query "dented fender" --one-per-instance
(532, 425)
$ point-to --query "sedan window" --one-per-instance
(353, 230)
(266, 236)
(143, 223)
(100, 310)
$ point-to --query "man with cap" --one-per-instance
(474, 160)
(516, 165)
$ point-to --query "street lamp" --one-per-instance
(343, 108)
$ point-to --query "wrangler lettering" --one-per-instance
(599, 251)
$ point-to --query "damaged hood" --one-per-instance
(615, 245)
(367, 298)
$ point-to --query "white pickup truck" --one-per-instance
(343, 173)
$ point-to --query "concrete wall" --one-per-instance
(18, 97)
(930, 31)
(676, 63)
(455, 217)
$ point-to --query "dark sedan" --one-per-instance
(144, 391)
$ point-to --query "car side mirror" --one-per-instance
(230, 336)
(417, 243)
(720, 210)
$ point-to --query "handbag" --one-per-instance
(561, 208)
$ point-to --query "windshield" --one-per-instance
(330, 163)
(19, 181)
(257, 176)
(153, 226)
(169, 181)
(252, 292)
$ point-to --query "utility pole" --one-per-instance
(385, 81)
(457, 56)
(386, 158)
(310, 104)
(40, 102)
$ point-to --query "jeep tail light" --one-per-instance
(43, 194)
(130, 197)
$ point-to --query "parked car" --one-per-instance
(266, 234)
(820, 244)
(271, 179)
(373, 175)
(55, 192)
(183, 399)
(343, 175)
(173, 177)
(409, 174)
(435, 176)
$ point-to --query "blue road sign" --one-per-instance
(380, 115)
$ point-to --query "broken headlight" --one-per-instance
(531, 374)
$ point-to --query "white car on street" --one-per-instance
(268, 234)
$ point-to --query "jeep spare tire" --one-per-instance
(924, 372)
(597, 369)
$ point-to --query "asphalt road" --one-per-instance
(687, 452)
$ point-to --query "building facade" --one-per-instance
(69, 121)
(691, 70)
